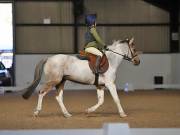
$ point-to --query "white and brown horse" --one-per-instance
(59, 68)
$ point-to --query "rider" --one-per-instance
(94, 44)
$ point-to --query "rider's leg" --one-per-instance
(94, 51)
(98, 59)
(98, 53)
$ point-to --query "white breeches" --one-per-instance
(94, 51)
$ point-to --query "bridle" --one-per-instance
(125, 56)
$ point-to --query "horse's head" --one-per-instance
(132, 53)
(125, 48)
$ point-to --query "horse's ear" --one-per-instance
(131, 40)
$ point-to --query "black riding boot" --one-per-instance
(97, 64)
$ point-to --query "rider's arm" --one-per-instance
(96, 36)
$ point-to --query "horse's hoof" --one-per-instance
(36, 113)
(122, 115)
(67, 115)
(88, 110)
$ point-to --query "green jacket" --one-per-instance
(93, 39)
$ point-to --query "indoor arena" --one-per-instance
(94, 67)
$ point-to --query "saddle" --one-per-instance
(104, 64)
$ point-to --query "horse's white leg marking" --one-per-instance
(100, 96)
(59, 98)
(45, 89)
(39, 105)
(112, 88)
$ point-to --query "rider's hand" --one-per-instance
(105, 48)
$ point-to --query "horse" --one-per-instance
(60, 67)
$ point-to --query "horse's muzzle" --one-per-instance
(136, 62)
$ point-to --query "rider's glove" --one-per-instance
(106, 48)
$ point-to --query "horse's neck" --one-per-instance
(114, 59)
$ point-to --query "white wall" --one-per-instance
(176, 68)
(139, 77)
(142, 76)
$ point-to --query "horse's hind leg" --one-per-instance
(100, 96)
(45, 89)
(59, 98)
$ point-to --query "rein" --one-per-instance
(125, 57)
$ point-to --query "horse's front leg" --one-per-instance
(112, 88)
(100, 96)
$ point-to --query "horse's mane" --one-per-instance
(115, 42)
(125, 41)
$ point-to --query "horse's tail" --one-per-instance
(37, 77)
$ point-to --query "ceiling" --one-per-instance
(164, 4)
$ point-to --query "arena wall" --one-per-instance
(148, 24)
(138, 77)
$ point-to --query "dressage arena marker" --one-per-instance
(1, 90)
(116, 129)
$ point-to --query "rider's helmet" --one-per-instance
(90, 19)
